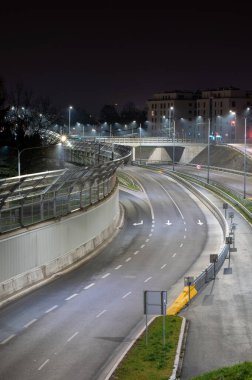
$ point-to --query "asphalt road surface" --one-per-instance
(74, 327)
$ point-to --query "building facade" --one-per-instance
(225, 112)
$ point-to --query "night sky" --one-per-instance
(87, 57)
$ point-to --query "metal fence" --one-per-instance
(34, 198)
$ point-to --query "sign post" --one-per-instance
(214, 259)
(188, 281)
(155, 304)
(225, 207)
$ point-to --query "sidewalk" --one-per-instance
(220, 330)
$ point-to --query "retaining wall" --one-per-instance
(36, 253)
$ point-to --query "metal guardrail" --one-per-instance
(38, 197)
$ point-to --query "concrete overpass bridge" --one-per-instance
(156, 149)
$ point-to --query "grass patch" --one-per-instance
(126, 181)
(241, 371)
(153, 361)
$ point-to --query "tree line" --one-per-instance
(23, 115)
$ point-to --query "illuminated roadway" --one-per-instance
(73, 327)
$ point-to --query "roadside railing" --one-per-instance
(38, 197)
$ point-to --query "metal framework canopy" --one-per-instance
(33, 198)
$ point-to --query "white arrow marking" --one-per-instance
(200, 223)
(168, 223)
(138, 224)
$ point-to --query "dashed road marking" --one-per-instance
(136, 252)
(142, 246)
(163, 266)
(30, 323)
(150, 235)
(51, 309)
(128, 259)
(74, 335)
(181, 245)
(126, 295)
(146, 241)
(7, 339)
(148, 279)
(89, 286)
(42, 365)
(118, 267)
(70, 297)
(174, 255)
(106, 275)
(101, 313)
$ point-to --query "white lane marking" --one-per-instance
(7, 339)
(200, 223)
(101, 313)
(163, 266)
(135, 253)
(152, 230)
(128, 259)
(168, 223)
(51, 309)
(138, 224)
(146, 241)
(89, 286)
(181, 245)
(126, 295)
(118, 267)
(150, 235)
(185, 229)
(173, 201)
(184, 236)
(174, 255)
(106, 275)
(142, 246)
(70, 297)
(42, 365)
(148, 279)
(69, 339)
(30, 323)
(153, 221)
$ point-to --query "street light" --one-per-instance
(208, 150)
(173, 149)
(245, 151)
(63, 139)
(140, 135)
(170, 109)
(69, 114)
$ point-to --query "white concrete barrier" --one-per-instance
(37, 253)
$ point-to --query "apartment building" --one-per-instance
(192, 114)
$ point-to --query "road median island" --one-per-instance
(155, 359)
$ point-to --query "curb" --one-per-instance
(180, 351)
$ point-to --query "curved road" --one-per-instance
(73, 327)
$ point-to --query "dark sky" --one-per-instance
(88, 56)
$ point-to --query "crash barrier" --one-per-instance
(209, 273)
(183, 299)
(29, 199)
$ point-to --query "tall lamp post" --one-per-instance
(173, 148)
(69, 118)
(208, 150)
(170, 110)
(245, 153)
(140, 135)
(63, 139)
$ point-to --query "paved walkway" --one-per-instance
(220, 317)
